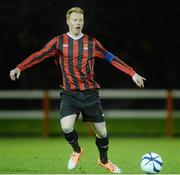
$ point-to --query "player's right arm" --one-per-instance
(48, 51)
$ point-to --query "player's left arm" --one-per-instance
(101, 52)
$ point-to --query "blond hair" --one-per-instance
(74, 9)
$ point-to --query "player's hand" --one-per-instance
(14, 74)
(138, 80)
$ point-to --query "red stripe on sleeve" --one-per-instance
(98, 49)
(116, 62)
(48, 51)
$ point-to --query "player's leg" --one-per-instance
(70, 134)
(102, 143)
(92, 111)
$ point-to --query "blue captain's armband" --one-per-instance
(109, 56)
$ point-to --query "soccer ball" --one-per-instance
(151, 163)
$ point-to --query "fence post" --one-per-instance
(46, 108)
(169, 118)
(89, 129)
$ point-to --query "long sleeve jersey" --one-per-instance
(76, 59)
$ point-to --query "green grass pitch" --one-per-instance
(50, 156)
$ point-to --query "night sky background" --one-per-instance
(145, 34)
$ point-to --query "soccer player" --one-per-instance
(75, 53)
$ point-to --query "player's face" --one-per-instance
(75, 23)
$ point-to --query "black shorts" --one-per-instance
(85, 102)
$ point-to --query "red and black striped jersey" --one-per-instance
(76, 59)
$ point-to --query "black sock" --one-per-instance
(72, 139)
(102, 144)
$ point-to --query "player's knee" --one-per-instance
(102, 134)
(67, 129)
